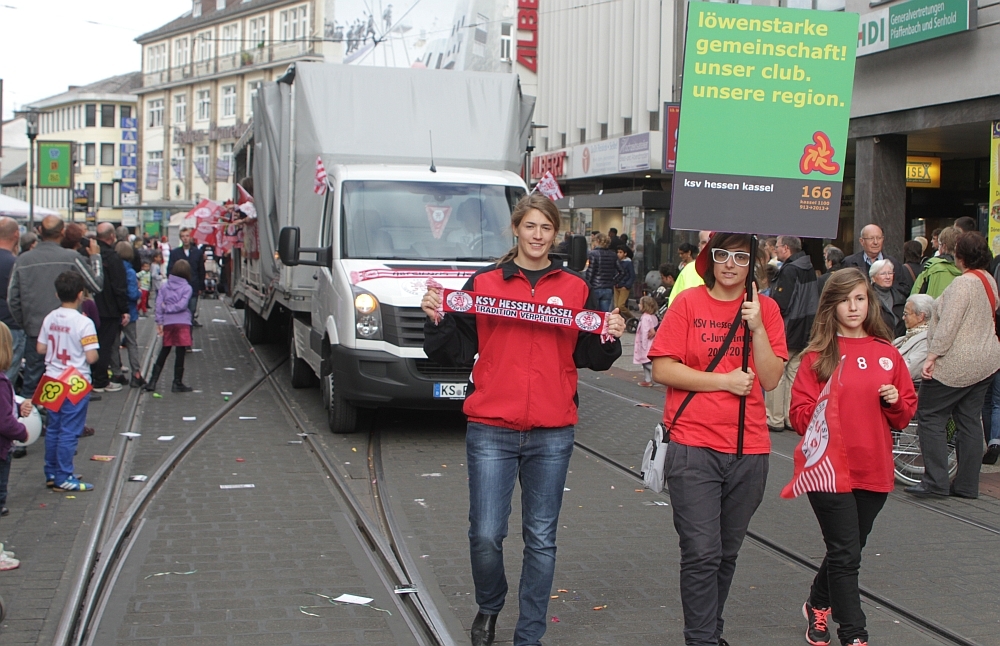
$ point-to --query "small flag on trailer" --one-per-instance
(319, 186)
(549, 187)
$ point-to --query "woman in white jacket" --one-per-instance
(913, 344)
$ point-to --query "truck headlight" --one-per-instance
(367, 315)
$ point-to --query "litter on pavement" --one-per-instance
(131, 435)
(189, 419)
(138, 478)
(166, 573)
(165, 438)
(236, 486)
(102, 458)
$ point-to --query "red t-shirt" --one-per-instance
(869, 363)
(692, 332)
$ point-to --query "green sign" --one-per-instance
(55, 164)
(764, 113)
(911, 22)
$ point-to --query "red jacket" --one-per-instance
(523, 374)
(869, 363)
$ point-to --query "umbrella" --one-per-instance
(14, 208)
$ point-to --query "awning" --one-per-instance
(14, 208)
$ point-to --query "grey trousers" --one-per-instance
(713, 496)
(130, 332)
(936, 402)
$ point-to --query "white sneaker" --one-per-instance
(4, 552)
(8, 563)
(112, 387)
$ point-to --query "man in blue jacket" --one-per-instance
(624, 280)
(192, 253)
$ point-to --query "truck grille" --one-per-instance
(403, 326)
(429, 368)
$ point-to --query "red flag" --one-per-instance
(437, 216)
(244, 196)
(206, 216)
(549, 187)
(319, 181)
(77, 385)
(821, 458)
(50, 393)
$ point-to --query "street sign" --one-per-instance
(763, 124)
(911, 22)
(129, 199)
(55, 164)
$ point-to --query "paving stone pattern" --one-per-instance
(46, 529)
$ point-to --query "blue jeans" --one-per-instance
(539, 459)
(34, 366)
(61, 436)
(15, 360)
(991, 412)
(605, 298)
(4, 477)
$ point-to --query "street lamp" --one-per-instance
(31, 119)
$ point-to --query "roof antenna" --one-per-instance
(433, 168)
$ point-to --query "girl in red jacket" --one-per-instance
(876, 383)
(521, 406)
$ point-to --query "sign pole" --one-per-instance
(746, 347)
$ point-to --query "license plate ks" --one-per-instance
(449, 391)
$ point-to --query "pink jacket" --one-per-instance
(640, 353)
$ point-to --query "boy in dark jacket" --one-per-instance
(624, 279)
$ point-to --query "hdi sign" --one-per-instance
(911, 22)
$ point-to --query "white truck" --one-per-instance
(421, 173)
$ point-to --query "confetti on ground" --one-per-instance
(189, 419)
(657, 503)
(566, 489)
(240, 460)
(230, 369)
(102, 458)
(71, 497)
(165, 438)
(226, 392)
(157, 396)
(295, 441)
(166, 573)
(341, 600)
(138, 478)
(219, 321)
(644, 405)
(405, 589)
(131, 435)
(195, 349)
(430, 475)
(639, 490)
(600, 607)
(351, 598)
(555, 596)
(246, 417)
(561, 590)
(237, 486)
(420, 501)
(555, 620)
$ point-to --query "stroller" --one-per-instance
(211, 277)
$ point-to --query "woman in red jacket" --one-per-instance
(522, 409)
(849, 329)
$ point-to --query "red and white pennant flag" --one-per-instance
(549, 187)
(319, 182)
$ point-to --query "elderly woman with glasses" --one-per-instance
(913, 345)
(891, 298)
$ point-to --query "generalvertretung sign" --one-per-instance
(911, 22)
(765, 106)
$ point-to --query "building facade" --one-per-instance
(99, 119)
(200, 74)
(14, 159)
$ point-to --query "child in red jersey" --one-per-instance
(849, 328)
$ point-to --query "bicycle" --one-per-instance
(909, 461)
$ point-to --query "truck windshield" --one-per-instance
(427, 220)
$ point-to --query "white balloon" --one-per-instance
(33, 423)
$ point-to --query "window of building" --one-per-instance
(201, 161)
(230, 39)
(107, 194)
(154, 159)
(107, 116)
(480, 35)
(155, 108)
(91, 114)
(506, 41)
(252, 88)
(220, 5)
(196, 9)
(294, 23)
(126, 112)
(627, 125)
(258, 31)
(225, 160)
(654, 121)
(156, 57)
(179, 162)
(182, 52)
(203, 46)
(90, 189)
(228, 101)
(180, 109)
(89, 154)
(204, 105)
(107, 154)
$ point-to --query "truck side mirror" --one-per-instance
(288, 246)
(577, 253)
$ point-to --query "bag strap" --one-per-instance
(908, 268)
(989, 289)
(737, 322)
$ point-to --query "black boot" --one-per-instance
(484, 629)
(178, 385)
(153, 378)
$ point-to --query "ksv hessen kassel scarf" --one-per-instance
(821, 458)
